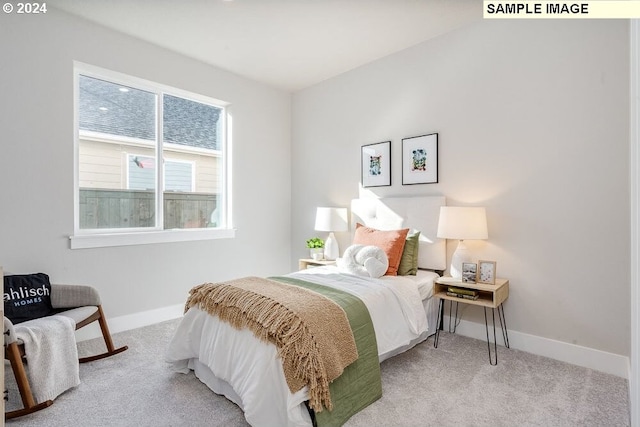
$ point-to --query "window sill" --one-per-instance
(87, 241)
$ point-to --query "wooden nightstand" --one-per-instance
(304, 263)
(489, 296)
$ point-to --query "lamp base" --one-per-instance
(460, 255)
(331, 249)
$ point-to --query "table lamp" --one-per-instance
(331, 219)
(462, 223)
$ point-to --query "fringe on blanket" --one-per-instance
(303, 361)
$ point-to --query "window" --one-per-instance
(149, 159)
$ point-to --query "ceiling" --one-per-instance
(288, 44)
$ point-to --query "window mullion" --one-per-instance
(159, 162)
(225, 176)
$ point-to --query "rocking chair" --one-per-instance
(82, 304)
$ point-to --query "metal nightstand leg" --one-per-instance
(503, 326)
(452, 325)
(495, 344)
(439, 322)
(455, 318)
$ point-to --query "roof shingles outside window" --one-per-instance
(122, 111)
(190, 123)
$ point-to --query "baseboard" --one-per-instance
(132, 321)
(598, 360)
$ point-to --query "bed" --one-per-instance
(248, 371)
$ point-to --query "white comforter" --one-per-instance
(248, 371)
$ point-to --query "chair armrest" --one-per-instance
(9, 332)
(71, 296)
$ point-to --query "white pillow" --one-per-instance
(361, 260)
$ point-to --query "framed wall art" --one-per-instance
(487, 272)
(420, 159)
(376, 164)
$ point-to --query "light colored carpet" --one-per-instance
(453, 385)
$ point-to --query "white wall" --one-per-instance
(634, 160)
(36, 167)
(533, 123)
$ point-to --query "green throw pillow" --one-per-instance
(409, 260)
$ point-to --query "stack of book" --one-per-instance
(462, 293)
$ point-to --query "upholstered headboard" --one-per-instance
(416, 213)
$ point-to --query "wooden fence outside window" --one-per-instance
(100, 208)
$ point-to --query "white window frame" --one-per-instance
(95, 238)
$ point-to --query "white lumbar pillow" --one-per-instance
(361, 260)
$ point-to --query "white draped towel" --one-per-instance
(52, 355)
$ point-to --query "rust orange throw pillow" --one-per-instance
(390, 241)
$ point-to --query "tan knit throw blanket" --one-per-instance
(310, 331)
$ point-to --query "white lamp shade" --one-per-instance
(331, 219)
(462, 223)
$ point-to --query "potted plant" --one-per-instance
(316, 248)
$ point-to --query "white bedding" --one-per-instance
(248, 371)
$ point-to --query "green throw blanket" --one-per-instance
(360, 384)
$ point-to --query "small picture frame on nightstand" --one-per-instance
(487, 272)
(469, 272)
